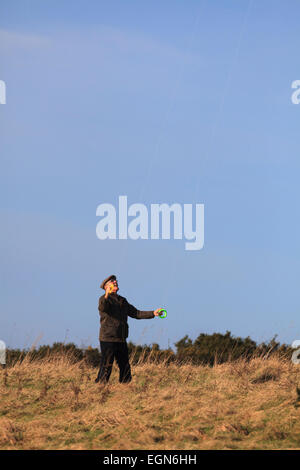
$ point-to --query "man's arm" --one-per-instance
(104, 301)
(104, 304)
(139, 314)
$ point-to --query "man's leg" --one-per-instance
(121, 355)
(106, 362)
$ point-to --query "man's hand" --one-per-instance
(157, 312)
(109, 288)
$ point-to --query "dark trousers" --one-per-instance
(109, 352)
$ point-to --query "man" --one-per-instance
(114, 311)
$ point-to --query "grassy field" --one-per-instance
(55, 404)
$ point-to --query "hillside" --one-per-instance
(55, 404)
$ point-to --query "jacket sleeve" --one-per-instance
(139, 314)
(104, 304)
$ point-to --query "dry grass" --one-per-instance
(54, 404)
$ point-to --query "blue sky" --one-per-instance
(172, 101)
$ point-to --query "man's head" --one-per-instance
(112, 286)
(111, 283)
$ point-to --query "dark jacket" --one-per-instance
(114, 312)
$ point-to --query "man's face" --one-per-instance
(112, 285)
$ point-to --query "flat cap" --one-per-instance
(109, 278)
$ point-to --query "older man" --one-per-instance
(114, 311)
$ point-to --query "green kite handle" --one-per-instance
(163, 314)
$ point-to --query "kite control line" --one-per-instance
(163, 313)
